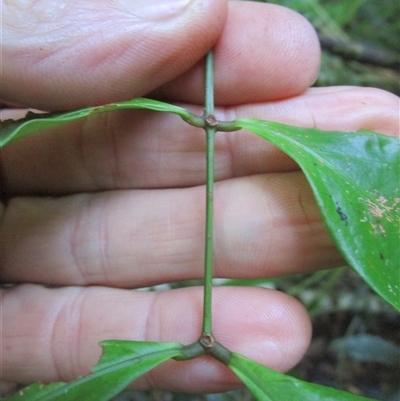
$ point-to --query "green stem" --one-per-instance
(210, 129)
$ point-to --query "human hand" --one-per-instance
(117, 201)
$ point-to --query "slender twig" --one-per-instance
(361, 52)
(207, 343)
(210, 128)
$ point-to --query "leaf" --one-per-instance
(122, 362)
(10, 130)
(268, 385)
(355, 179)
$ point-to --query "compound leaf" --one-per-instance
(268, 385)
(122, 362)
(355, 179)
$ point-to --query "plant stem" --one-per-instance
(210, 129)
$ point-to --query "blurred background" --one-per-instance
(356, 335)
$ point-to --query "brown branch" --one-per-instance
(362, 52)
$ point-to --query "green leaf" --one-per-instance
(10, 130)
(122, 362)
(355, 179)
(268, 385)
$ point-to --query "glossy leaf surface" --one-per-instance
(10, 130)
(355, 179)
(268, 385)
(122, 362)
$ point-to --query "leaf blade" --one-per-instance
(122, 362)
(355, 179)
(11, 130)
(269, 385)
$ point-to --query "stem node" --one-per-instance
(211, 121)
(207, 341)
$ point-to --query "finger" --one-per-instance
(138, 149)
(73, 53)
(265, 52)
(52, 334)
(266, 225)
(337, 108)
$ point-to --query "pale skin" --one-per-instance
(116, 202)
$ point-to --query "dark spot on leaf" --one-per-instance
(342, 215)
(381, 256)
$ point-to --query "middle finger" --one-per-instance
(265, 225)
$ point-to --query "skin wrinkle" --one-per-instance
(155, 329)
(74, 243)
(105, 260)
(152, 332)
(42, 327)
(80, 346)
(102, 240)
(65, 314)
(67, 336)
(53, 343)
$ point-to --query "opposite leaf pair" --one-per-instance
(354, 177)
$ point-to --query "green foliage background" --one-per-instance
(360, 47)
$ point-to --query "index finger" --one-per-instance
(265, 52)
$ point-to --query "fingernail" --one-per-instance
(155, 9)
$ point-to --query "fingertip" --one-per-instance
(267, 326)
(279, 54)
(300, 53)
(265, 52)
